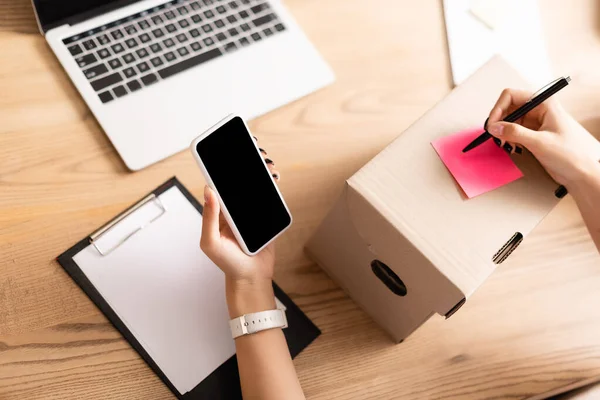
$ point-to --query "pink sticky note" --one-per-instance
(486, 167)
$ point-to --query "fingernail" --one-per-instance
(519, 150)
(497, 141)
(262, 151)
(507, 147)
(276, 176)
(255, 138)
(206, 194)
(269, 161)
(495, 129)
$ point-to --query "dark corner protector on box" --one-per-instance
(455, 308)
(508, 247)
(561, 192)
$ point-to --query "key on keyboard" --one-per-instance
(115, 63)
(120, 91)
(93, 72)
(106, 81)
(86, 60)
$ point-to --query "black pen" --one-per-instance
(524, 109)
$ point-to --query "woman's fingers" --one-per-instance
(509, 147)
(270, 163)
(516, 149)
(499, 143)
(265, 155)
(516, 135)
(210, 222)
(222, 222)
(512, 136)
(509, 100)
(276, 175)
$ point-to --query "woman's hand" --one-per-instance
(564, 148)
(248, 278)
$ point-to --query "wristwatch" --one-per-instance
(248, 324)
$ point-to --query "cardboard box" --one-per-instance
(404, 242)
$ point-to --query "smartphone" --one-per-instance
(249, 197)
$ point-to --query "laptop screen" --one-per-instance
(52, 13)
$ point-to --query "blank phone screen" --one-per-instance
(246, 187)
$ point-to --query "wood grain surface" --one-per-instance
(532, 329)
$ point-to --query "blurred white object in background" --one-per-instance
(491, 12)
(479, 29)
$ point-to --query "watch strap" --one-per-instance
(255, 322)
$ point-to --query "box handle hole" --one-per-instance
(389, 278)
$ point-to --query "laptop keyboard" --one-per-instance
(138, 51)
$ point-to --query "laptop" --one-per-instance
(158, 73)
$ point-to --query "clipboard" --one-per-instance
(223, 381)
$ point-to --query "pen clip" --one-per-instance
(533, 96)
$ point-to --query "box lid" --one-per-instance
(409, 186)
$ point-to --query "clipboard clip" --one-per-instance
(94, 237)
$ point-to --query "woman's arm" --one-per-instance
(265, 365)
(264, 361)
(586, 192)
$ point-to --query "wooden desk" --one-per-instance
(532, 329)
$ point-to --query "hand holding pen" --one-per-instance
(518, 114)
(564, 148)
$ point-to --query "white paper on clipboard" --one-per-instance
(165, 289)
